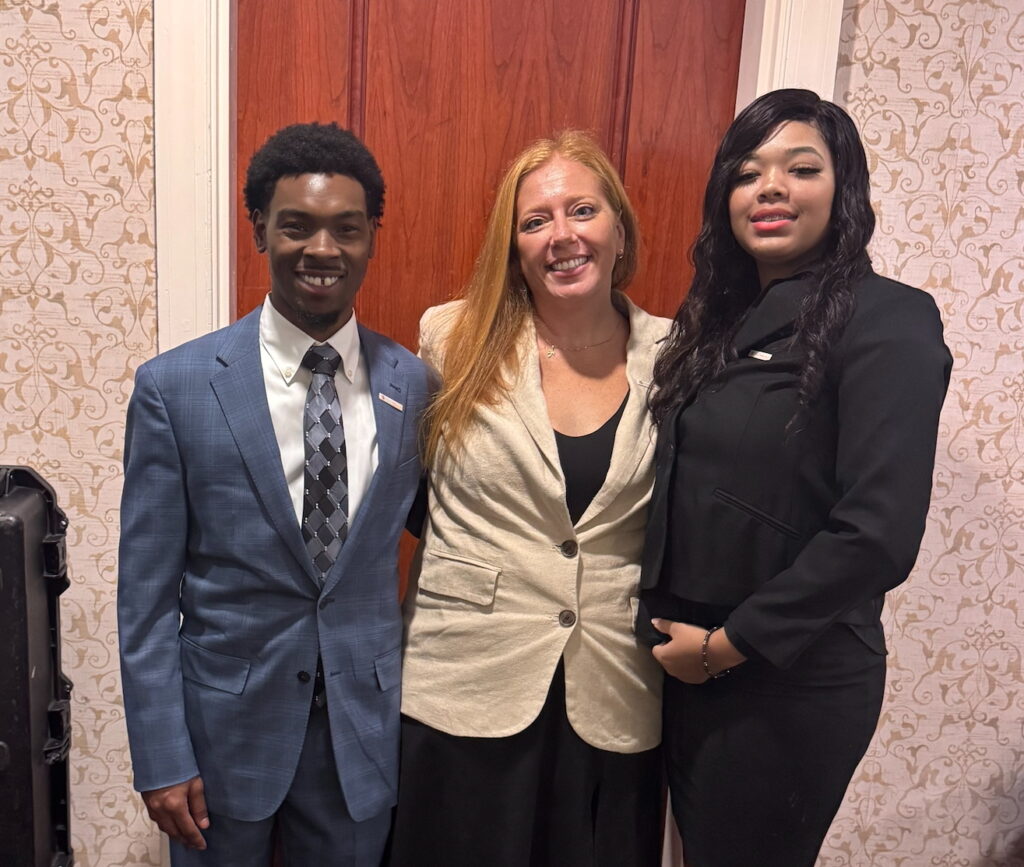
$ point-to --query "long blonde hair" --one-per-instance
(497, 299)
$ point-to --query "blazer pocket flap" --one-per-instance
(460, 577)
(389, 669)
(217, 670)
(872, 635)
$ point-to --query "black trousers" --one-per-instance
(539, 798)
(759, 760)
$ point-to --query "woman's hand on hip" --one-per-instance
(682, 656)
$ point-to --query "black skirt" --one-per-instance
(539, 798)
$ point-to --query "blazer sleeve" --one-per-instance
(891, 381)
(153, 546)
(435, 323)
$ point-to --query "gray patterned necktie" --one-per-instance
(325, 501)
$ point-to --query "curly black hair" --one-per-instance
(312, 148)
(725, 281)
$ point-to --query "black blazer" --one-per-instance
(796, 525)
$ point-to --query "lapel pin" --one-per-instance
(759, 355)
(390, 401)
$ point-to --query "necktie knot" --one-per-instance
(322, 358)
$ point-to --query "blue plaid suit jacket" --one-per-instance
(219, 606)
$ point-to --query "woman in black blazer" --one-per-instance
(797, 399)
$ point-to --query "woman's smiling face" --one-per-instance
(567, 234)
(780, 206)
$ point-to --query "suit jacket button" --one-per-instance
(304, 677)
(569, 548)
(566, 618)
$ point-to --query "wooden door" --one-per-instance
(445, 92)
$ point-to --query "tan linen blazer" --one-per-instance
(503, 584)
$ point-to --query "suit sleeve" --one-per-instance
(892, 379)
(153, 546)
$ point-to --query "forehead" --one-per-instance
(321, 193)
(557, 178)
(792, 135)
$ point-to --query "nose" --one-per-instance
(321, 244)
(561, 229)
(773, 185)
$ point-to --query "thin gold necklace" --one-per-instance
(550, 351)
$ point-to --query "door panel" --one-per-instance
(290, 69)
(686, 61)
(454, 90)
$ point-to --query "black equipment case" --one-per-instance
(35, 697)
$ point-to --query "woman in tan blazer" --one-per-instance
(531, 714)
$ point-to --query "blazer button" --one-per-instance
(569, 548)
(566, 618)
(304, 677)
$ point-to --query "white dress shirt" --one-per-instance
(282, 347)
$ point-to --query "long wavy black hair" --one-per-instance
(725, 281)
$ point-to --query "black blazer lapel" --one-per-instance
(772, 316)
(657, 516)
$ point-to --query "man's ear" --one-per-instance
(374, 225)
(259, 231)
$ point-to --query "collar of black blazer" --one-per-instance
(772, 315)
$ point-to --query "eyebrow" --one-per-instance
(297, 212)
(790, 152)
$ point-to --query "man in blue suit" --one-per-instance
(269, 469)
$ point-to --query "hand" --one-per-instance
(681, 656)
(180, 811)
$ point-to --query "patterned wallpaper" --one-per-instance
(937, 87)
(77, 316)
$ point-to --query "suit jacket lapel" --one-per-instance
(635, 433)
(385, 379)
(242, 395)
(527, 397)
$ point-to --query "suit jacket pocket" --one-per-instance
(389, 669)
(216, 670)
(757, 514)
(871, 634)
(447, 574)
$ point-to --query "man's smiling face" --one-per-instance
(319, 242)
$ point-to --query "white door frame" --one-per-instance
(194, 142)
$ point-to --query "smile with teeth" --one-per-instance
(772, 218)
(321, 281)
(568, 264)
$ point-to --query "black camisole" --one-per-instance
(585, 461)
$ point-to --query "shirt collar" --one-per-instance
(286, 344)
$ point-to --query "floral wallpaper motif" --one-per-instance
(77, 316)
(937, 87)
